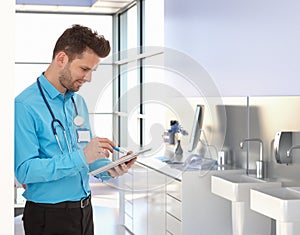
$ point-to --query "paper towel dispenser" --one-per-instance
(282, 143)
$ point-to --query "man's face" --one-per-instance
(79, 71)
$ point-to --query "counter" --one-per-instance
(177, 202)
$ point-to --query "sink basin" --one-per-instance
(282, 204)
(236, 187)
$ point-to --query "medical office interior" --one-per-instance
(231, 67)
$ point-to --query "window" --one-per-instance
(116, 96)
(36, 35)
(136, 29)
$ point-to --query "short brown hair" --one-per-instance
(77, 39)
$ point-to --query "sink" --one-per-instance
(281, 204)
(236, 189)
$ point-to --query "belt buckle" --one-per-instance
(84, 202)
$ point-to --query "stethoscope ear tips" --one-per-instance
(78, 121)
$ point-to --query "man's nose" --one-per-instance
(88, 77)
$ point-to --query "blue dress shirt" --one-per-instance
(50, 175)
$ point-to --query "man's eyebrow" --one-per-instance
(89, 68)
(86, 67)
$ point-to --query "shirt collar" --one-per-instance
(51, 90)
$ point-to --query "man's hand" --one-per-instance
(98, 148)
(122, 168)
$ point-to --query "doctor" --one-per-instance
(54, 148)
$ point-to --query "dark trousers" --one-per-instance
(43, 219)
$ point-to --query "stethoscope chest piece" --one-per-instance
(78, 121)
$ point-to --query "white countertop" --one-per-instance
(172, 170)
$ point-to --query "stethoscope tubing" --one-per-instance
(55, 120)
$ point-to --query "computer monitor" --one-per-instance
(197, 127)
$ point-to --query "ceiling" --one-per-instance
(73, 6)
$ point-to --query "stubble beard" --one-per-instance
(65, 80)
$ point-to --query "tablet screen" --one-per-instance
(119, 161)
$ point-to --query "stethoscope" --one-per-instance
(78, 120)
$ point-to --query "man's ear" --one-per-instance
(61, 58)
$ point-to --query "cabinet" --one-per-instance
(164, 200)
(173, 206)
(142, 201)
(155, 202)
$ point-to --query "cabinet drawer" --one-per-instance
(128, 196)
(174, 207)
(128, 207)
(127, 181)
(173, 225)
(128, 222)
(174, 188)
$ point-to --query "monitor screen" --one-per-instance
(196, 128)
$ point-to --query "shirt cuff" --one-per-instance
(104, 176)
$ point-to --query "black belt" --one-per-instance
(68, 204)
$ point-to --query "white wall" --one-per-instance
(249, 47)
(7, 116)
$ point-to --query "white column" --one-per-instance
(7, 46)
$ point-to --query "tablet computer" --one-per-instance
(118, 161)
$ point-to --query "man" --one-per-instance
(54, 148)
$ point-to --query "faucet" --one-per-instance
(288, 153)
(260, 163)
